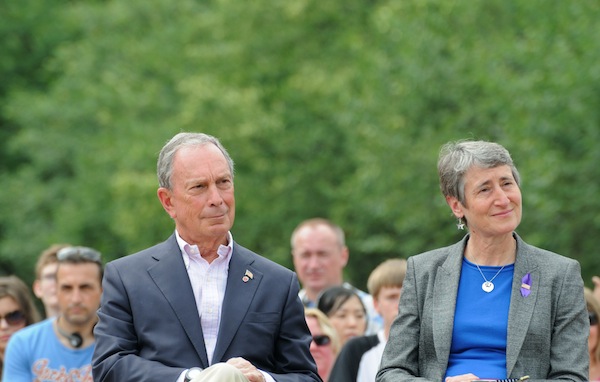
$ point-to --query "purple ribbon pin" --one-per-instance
(526, 285)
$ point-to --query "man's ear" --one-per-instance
(376, 304)
(345, 255)
(37, 289)
(165, 197)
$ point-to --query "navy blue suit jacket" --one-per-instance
(149, 329)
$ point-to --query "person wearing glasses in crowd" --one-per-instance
(44, 285)
(490, 306)
(593, 306)
(325, 343)
(60, 348)
(199, 306)
(17, 310)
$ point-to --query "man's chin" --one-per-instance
(315, 286)
(219, 226)
(77, 319)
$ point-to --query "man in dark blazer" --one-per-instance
(200, 307)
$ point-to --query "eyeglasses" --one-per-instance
(593, 318)
(321, 340)
(79, 254)
(14, 318)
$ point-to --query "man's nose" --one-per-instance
(214, 196)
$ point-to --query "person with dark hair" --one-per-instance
(490, 306)
(199, 306)
(17, 310)
(359, 359)
(60, 348)
(345, 310)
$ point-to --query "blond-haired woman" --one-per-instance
(325, 344)
(593, 306)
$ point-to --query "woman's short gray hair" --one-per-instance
(456, 158)
(164, 166)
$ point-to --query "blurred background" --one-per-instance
(332, 108)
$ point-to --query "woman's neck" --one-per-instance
(493, 251)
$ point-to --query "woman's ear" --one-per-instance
(455, 206)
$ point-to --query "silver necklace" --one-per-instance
(487, 285)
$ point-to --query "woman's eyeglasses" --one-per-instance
(14, 318)
(593, 318)
(321, 340)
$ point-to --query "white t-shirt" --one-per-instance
(369, 363)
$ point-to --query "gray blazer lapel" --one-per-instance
(171, 278)
(238, 296)
(521, 308)
(444, 302)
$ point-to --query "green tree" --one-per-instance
(333, 109)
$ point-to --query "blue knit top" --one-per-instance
(481, 323)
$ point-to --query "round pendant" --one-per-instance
(487, 286)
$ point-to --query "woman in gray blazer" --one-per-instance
(490, 306)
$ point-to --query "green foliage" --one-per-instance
(333, 109)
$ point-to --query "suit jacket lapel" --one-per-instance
(238, 296)
(521, 308)
(444, 302)
(171, 278)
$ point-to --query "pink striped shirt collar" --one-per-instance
(223, 251)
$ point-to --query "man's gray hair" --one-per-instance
(164, 166)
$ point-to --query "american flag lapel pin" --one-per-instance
(247, 276)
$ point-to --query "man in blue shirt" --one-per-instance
(60, 348)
